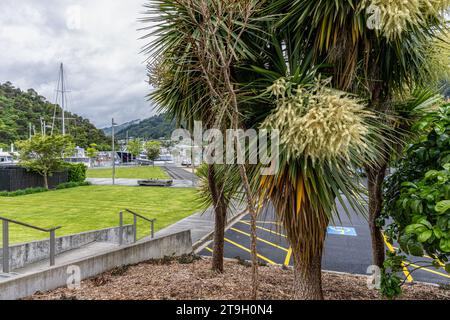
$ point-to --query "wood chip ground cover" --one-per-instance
(173, 280)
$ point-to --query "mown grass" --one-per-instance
(96, 207)
(145, 172)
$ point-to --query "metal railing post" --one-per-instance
(153, 229)
(135, 227)
(5, 246)
(52, 247)
(120, 228)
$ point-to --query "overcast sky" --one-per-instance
(98, 43)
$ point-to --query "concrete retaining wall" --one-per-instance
(55, 277)
(23, 254)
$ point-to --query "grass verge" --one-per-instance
(96, 207)
(146, 172)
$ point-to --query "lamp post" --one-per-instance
(113, 153)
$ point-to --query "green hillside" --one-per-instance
(152, 128)
(20, 108)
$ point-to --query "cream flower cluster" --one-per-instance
(318, 123)
(397, 15)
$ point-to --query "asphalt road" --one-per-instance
(178, 173)
(347, 247)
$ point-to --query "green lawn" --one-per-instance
(146, 172)
(96, 207)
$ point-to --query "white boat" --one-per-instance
(6, 158)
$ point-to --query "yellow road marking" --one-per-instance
(431, 270)
(265, 229)
(210, 250)
(428, 257)
(288, 257)
(405, 269)
(267, 222)
(259, 239)
(245, 249)
(440, 263)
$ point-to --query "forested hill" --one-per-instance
(151, 128)
(20, 108)
(120, 127)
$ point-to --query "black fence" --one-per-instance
(14, 178)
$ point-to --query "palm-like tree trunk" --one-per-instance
(308, 277)
(220, 214)
(375, 177)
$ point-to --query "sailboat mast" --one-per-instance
(63, 101)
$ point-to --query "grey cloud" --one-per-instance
(105, 70)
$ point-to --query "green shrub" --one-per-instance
(22, 192)
(27, 191)
(68, 185)
(77, 172)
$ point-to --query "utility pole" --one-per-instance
(113, 154)
(29, 130)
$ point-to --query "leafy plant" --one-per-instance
(152, 149)
(77, 172)
(134, 147)
(417, 195)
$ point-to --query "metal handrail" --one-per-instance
(142, 217)
(135, 216)
(29, 225)
(5, 237)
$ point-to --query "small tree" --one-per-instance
(134, 147)
(44, 154)
(92, 152)
(152, 150)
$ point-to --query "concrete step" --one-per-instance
(91, 249)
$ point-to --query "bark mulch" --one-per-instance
(189, 278)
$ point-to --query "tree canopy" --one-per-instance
(45, 154)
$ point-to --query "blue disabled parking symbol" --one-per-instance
(342, 231)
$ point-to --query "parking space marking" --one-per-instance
(428, 257)
(259, 239)
(406, 272)
(288, 257)
(267, 222)
(430, 270)
(245, 249)
(392, 249)
(440, 262)
(265, 229)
